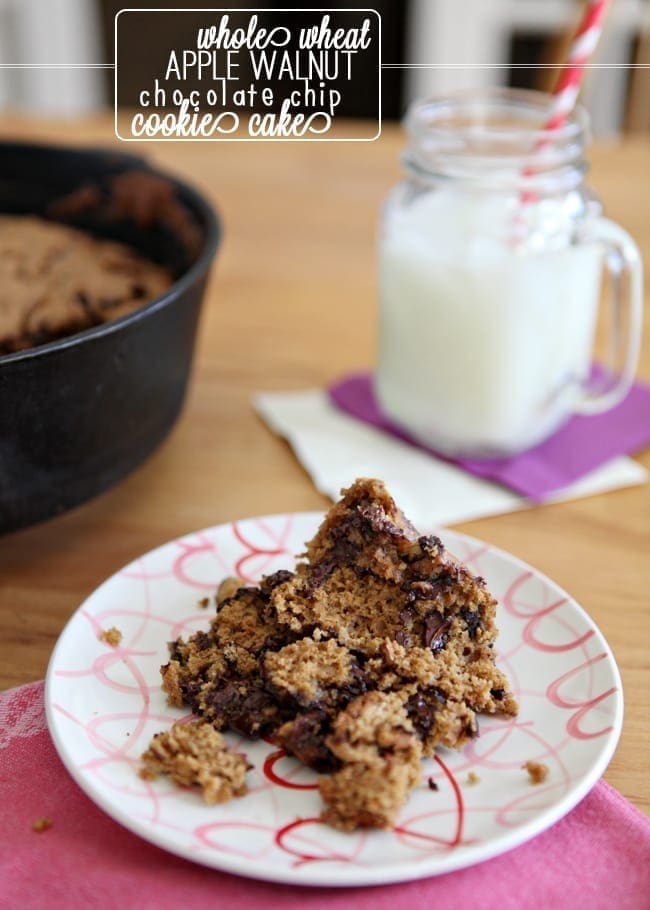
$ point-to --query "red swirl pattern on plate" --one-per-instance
(286, 781)
(104, 704)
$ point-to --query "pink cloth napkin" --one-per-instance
(596, 857)
(579, 447)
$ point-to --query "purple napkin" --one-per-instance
(582, 445)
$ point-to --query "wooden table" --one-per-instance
(291, 304)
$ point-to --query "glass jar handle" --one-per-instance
(623, 261)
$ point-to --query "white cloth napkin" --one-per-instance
(335, 449)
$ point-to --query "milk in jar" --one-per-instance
(488, 292)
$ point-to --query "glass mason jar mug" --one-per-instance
(491, 257)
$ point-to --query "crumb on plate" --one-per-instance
(111, 636)
(537, 772)
(196, 754)
(42, 824)
(472, 778)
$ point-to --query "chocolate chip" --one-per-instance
(436, 631)
(357, 686)
(472, 619)
(174, 649)
(420, 712)
(376, 519)
(498, 694)
(403, 638)
(203, 640)
(432, 784)
(421, 708)
(278, 578)
(277, 640)
(320, 573)
(406, 614)
(404, 635)
(304, 738)
(244, 706)
(431, 544)
(431, 588)
(191, 692)
(359, 656)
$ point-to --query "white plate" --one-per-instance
(104, 704)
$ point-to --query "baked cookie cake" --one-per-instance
(56, 280)
(377, 648)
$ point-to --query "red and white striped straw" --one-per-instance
(568, 84)
(567, 87)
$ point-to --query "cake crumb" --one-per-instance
(472, 779)
(42, 824)
(432, 784)
(195, 754)
(537, 771)
(111, 636)
(380, 754)
(204, 603)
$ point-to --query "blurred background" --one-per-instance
(56, 55)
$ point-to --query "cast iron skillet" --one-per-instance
(78, 414)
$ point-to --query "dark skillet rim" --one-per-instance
(190, 194)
